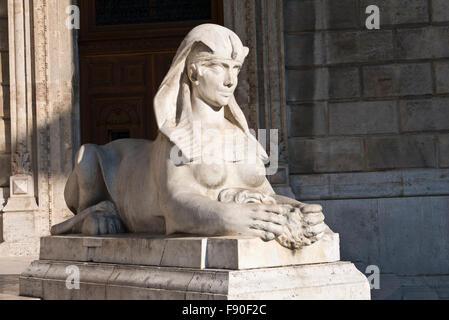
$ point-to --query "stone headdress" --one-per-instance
(172, 104)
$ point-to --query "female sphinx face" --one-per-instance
(215, 80)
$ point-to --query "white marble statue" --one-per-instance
(186, 181)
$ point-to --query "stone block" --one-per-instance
(186, 252)
(424, 114)
(430, 42)
(351, 185)
(238, 254)
(307, 120)
(3, 8)
(338, 280)
(366, 117)
(311, 186)
(422, 224)
(5, 169)
(344, 83)
(307, 84)
(322, 83)
(381, 227)
(396, 12)
(421, 182)
(309, 15)
(443, 141)
(326, 155)
(442, 76)
(4, 44)
(397, 80)
(416, 151)
(377, 184)
(359, 46)
(365, 184)
(18, 227)
(440, 11)
(302, 16)
(4, 101)
(5, 136)
(4, 67)
(357, 220)
(304, 49)
(340, 14)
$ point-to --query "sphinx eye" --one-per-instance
(215, 66)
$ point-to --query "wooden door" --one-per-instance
(126, 48)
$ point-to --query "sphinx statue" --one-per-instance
(183, 181)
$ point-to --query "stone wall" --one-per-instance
(5, 132)
(368, 118)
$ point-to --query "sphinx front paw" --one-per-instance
(304, 227)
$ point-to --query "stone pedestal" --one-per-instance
(145, 267)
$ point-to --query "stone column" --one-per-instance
(22, 197)
(19, 233)
(5, 139)
(261, 92)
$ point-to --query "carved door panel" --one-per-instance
(126, 48)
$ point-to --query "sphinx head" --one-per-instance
(214, 74)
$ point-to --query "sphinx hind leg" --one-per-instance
(85, 186)
(100, 219)
(86, 195)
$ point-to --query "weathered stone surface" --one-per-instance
(4, 45)
(5, 169)
(4, 101)
(380, 227)
(421, 182)
(3, 8)
(253, 253)
(423, 226)
(304, 49)
(307, 84)
(340, 14)
(429, 39)
(440, 10)
(5, 136)
(347, 185)
(397, 80)
(301, 16)
(338, 280)
(358, 46)
(424, 114)
(395, 12)
(358, 220)
(444, 151)
(416, 151)
(344, 83)
(326, 155)
(322, 83)
(4, 67)
(311, 15)
(187, 252)
(442, 76)
(365, 117)
(393, 183)
(307, 120)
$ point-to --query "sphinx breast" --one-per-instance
(252, 175)
(211, 176)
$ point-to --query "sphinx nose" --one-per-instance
(228, 81)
